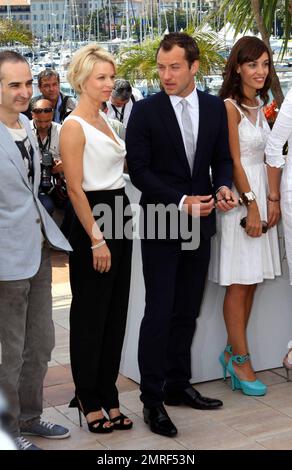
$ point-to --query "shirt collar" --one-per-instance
(192, 98)
(59, 101)
(57, 115)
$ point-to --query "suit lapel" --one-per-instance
(204, 122)
(168, 117)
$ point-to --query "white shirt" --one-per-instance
(128, 107)
(21, 135)
(193, 107)
(55, 139)
(281, 133)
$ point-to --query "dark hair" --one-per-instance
(182, 40)
(11, 56)
(246, 49)
(47, 73)
(103, 107)
(122, 89)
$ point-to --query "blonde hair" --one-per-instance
(83, 62)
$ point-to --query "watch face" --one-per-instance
(248, 197)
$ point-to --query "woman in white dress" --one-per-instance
(244, 252)
(100, 266)
(280, 169)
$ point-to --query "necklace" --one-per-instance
(251, 107)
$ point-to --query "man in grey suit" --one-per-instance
(26, 230)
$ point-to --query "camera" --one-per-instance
(47, 164)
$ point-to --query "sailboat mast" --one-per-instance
(158, 18)
(151, 19)
(63, 24)
(97, 21)
(141, 31)
(174, 20)
(110, 19)
(127, 22)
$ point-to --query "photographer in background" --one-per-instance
(47, 133)
(49, 86)
(52, 190)
(121, 102)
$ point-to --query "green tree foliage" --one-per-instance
(138, 61)
(12, 32)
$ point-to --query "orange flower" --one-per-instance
(271, 111)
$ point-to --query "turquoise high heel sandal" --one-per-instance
(222, 359)
(254, 388)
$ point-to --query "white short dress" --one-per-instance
(237, 258)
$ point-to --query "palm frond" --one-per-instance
(138, 62)
(240, 14)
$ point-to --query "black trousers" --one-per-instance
(98, 311)
(174, 282)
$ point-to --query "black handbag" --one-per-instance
(264, 224)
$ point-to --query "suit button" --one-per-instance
(38, 221)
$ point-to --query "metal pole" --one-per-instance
(141, 31)
(110, 19)
(97, 23)
(174, 20)
(158, 18)
(200, 11)
(151, 18)
(127, 22)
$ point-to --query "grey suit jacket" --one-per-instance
(22, 216)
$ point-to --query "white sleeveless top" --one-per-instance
(252, 136)
(103, 158)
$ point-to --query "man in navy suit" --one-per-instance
(173, 140)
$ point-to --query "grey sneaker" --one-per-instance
(44, 429)
(23, 444)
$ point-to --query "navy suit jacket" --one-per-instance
(156, 157)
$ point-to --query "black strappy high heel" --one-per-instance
(119, 421)
(121, 425)
(100, 429)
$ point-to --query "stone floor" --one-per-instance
(243, 423)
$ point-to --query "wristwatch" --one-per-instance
(247, 198)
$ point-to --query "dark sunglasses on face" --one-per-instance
(42, 110)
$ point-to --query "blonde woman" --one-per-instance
(100, 265)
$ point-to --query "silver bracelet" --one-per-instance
(103, 242)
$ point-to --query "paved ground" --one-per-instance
(243, 423)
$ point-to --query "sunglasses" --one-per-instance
(42, 110)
